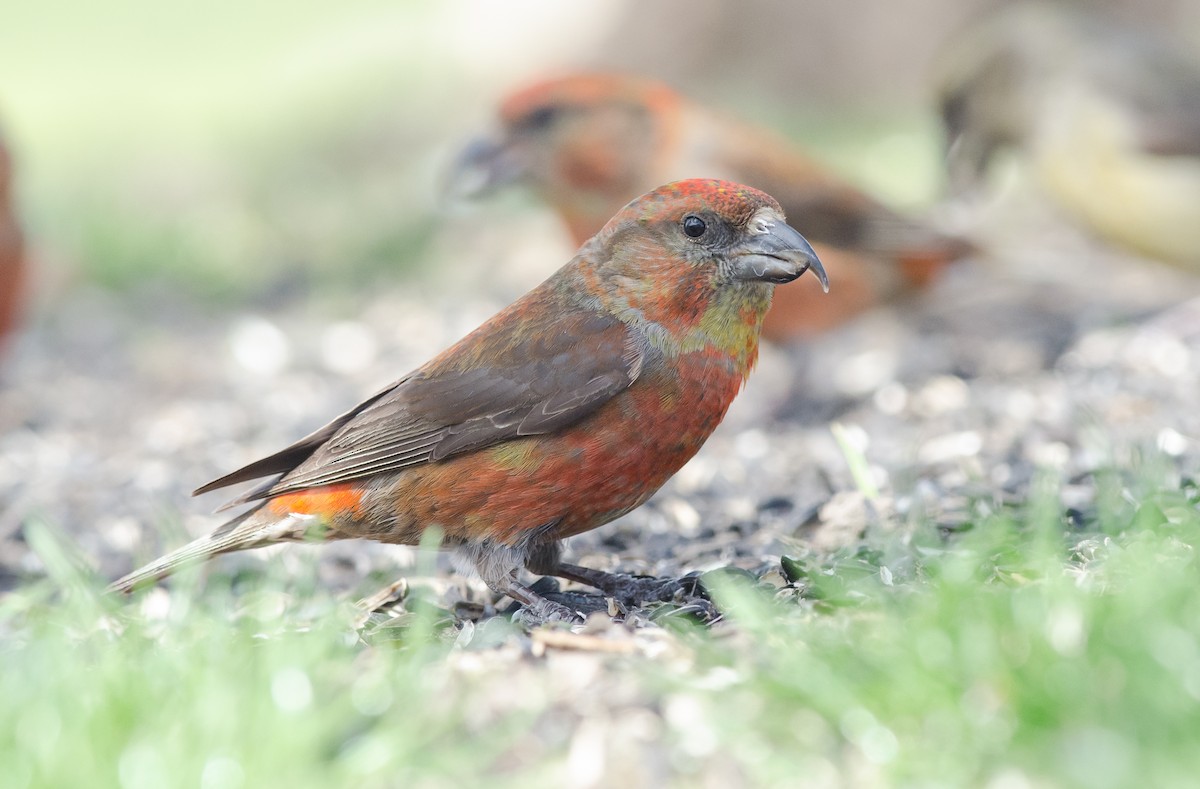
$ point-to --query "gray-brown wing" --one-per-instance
(1154, 82)
(565, 370)
(293, 455)
(1166, 104)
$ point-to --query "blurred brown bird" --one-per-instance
(1106, 117)
(586, 144)
(563, 412)
(12, 250)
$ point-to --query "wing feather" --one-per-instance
(568, 368)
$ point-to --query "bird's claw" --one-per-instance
(634, 590)
(543, 611)
(699, 609)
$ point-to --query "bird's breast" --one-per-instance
(565, 482)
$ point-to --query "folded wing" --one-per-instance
(538, 382)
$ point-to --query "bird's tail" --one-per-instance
(248, 530)
(921, 250)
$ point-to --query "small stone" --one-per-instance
(259, 346)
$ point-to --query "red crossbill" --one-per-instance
(12, 251)
(586, 144)
(1106, 118)
(563, 412)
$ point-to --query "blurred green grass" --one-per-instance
(1023, 651)
(224, 148)
(81, 79)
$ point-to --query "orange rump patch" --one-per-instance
(327, 502)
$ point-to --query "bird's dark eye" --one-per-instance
(540, 118)
(693, 226)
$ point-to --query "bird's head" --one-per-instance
(700, 255)
(584, 144)
(981, 115)
(993, 80)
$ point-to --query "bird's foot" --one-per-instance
(544, 613)
(632, 590)
(537, 610)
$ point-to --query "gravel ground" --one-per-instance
(1056, 354)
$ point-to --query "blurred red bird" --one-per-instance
(12, 250)
(586, 144)
(563, 412)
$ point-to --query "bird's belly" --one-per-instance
(560, 484)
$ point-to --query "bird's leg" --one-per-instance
(497, 565)
(627, 589)
(544, 559)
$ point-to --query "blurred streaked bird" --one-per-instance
(1107, 118)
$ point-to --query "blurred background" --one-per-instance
(235, 216)
(228, 148)
(236, 228)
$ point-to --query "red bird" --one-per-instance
(12, 250)
(587, 144)
(563, 412)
